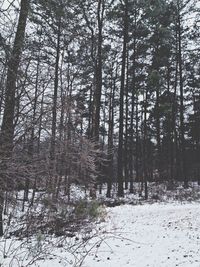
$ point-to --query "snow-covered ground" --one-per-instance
(151, 235)
(163, 231)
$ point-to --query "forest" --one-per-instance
(98, 94)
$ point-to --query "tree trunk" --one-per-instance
(182, 126)
(126, 150)
(55, 96)
(7, 129)
(132, 115)
(121, 115)
(110, 136)
(98, 86)
(145, 150)
(98, 74)
(54, 110)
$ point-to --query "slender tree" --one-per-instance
(122, 88)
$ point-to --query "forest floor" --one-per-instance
(136, 234)
(150, 235)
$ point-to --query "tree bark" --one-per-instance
(7, 129)
(182, 126)
(145, 149)
(54, 110)
(121, 115)
(98, 74)
(55, 96)
(110, 136)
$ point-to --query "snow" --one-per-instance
(162, 231)
(159, 234)
(151, 235)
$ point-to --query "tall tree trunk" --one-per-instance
(126, 150)
(54, 110)
(31, 145)
(110, 136)
(90, 112)
(173, 148)
(132, 113)
(63, 102)
(145, 150)
(182, 126)
(7, 129)
(98, 86)
(159, 159)
(55, 96)
(98, 74)
(121, 115)
(40, 121)
(137, 141)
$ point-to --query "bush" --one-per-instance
(89, 209)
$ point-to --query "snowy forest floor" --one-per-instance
(163, 231)
(151, 235)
